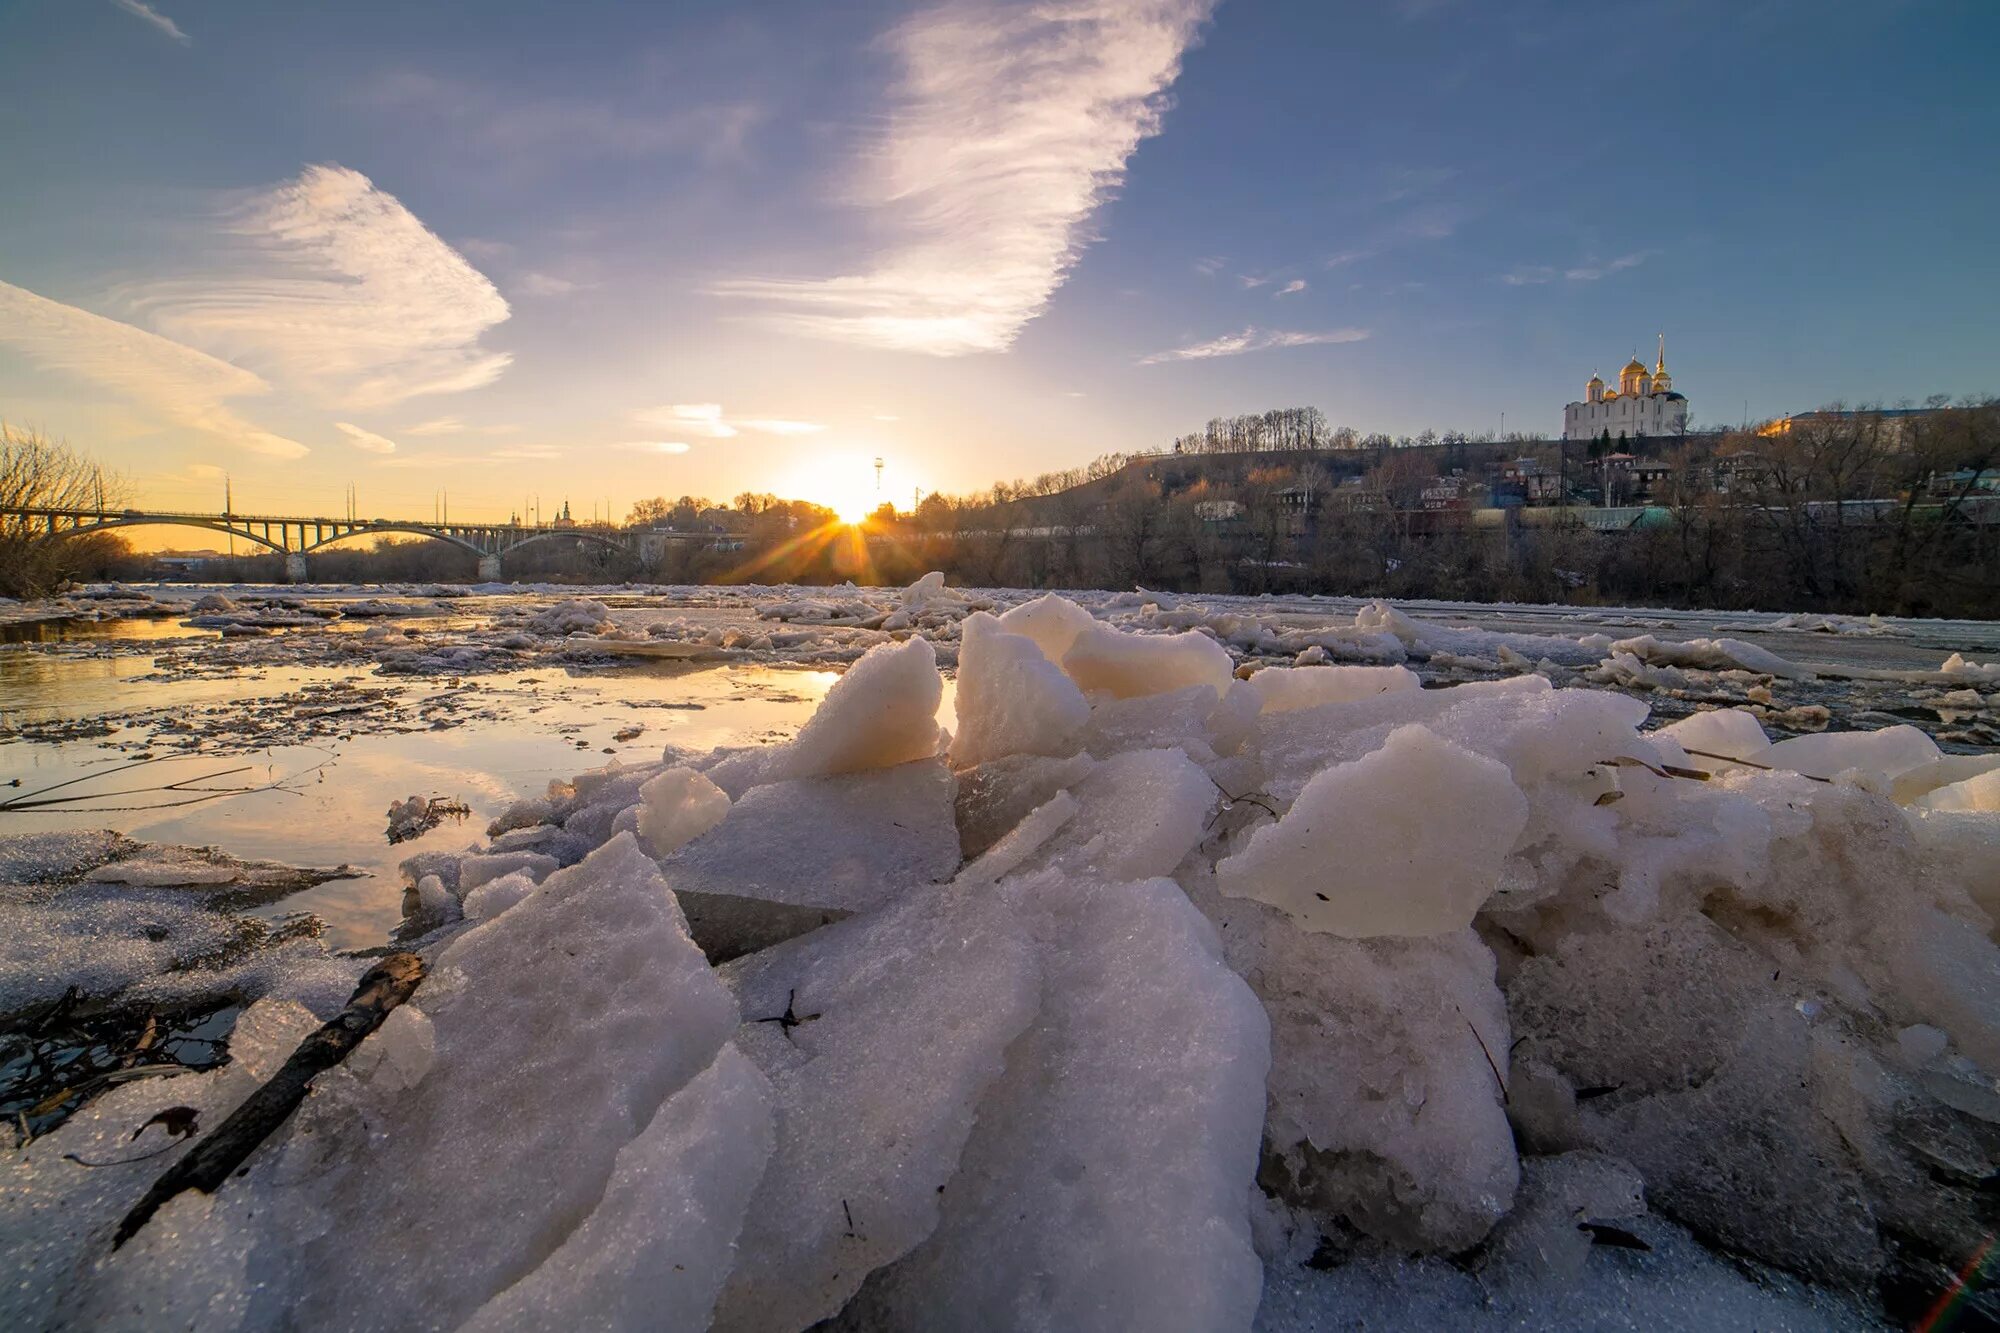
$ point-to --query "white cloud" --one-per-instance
(1251, 281)
(146, 13)
(773, 426)
(1253, 340)
(654, 446)
(365, 439)
(1592, 271)
(1209, 265)
(1292, 288)
(335, 287)
(436, 426)
(1013, 123)
(1528, 275)
(1342, 257)
(183, 386)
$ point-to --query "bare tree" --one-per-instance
(37, 472)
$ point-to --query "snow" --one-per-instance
(1360, 853)
(882, 713)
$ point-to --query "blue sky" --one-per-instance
(606, 251)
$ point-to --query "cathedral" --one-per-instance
(1643, 404)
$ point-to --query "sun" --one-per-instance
(844, 485)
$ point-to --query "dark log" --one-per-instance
(209, 1162)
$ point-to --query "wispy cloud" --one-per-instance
(1533, 275)
(708, 419)
(183, 386)
(1345, 257)
(1253, 340)
(776, 426)
(138, 9)
(1592, 271)
(501, 120)
(1210, 265)
(1250, 282)
(528, 451)
(335, 287)
(436, 426)
(365, 439)
(654, 446)
(1012, 124)
(548, 284)
(1292, 288)
(887, 416)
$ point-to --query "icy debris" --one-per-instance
(1011, 698)
(1053, 622)
(577, 616)
(1122, 665)
(1281, 691)
(1138, 815)
(677, 807)
(792, 856)
(996, 796)
(640, 1015)
(1711, 655)
(654, 1251)
(1564, 1203)
(1878, 756)
(1380, 617)
(1729, 732)
(1960, 667)
(881, 713)
(1145, 1050)
(1362, 852)
(1023, 841)
(474, 871)
(1178, 718)
(879, 1035)
(497, 895)
(1974, 795)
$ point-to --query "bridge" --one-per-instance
(295, 538)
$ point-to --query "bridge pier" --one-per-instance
(295, 567)
(489, 569)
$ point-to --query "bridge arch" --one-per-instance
(414, 529)
(154, 521)
(578, 534)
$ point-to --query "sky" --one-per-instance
(502, 255)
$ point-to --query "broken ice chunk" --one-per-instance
(793, 856)
(1138, 815)
(1731, 733)
(1128, 665)
(677, 807)
(654, 1251)
(1406, 841)
(882, 713)
(560, 1027)
(1878, 756)
(1011, 699)
(1281, 690)
(879, 1035)
(1052, 622)
(1105, 1185)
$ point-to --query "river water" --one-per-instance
(322, 803)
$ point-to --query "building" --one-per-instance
(1644, 404)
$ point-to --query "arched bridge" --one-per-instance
(295, 538)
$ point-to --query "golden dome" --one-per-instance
(1595, 378)
(1633, 367)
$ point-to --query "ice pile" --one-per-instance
(1120, 1003)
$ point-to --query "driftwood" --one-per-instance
(223, 1149)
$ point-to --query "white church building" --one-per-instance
(1644, 403)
